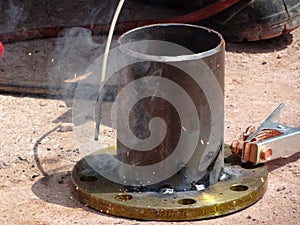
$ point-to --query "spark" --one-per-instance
(78, 78)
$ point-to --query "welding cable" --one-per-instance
(122, 26)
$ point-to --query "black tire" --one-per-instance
(248, 20)
(257, 19)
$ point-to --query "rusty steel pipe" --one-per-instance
(206, 56)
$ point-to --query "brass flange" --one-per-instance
(242, 186)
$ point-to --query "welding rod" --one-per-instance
(98, 105)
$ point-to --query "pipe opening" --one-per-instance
(199, 41)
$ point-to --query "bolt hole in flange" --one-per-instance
(123, 197)
(186, 201)
(88, 178)
(239, 187)
(104, 195)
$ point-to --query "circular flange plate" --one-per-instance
(240, 187)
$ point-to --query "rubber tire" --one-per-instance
(256, 20)
(248, 20)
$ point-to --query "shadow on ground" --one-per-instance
(56, 189)
(263, 46)
(275, 164)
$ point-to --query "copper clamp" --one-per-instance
(270, 141)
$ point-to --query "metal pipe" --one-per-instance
(206, 58)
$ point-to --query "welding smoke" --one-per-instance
(13, 12)
(74, 51)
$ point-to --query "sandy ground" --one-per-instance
(36, 159)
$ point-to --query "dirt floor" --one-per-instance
(36, 156)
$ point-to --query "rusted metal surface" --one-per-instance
(206, 47)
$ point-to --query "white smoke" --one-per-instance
(13, 12)
(74, 51)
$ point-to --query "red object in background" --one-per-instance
(1, 49)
